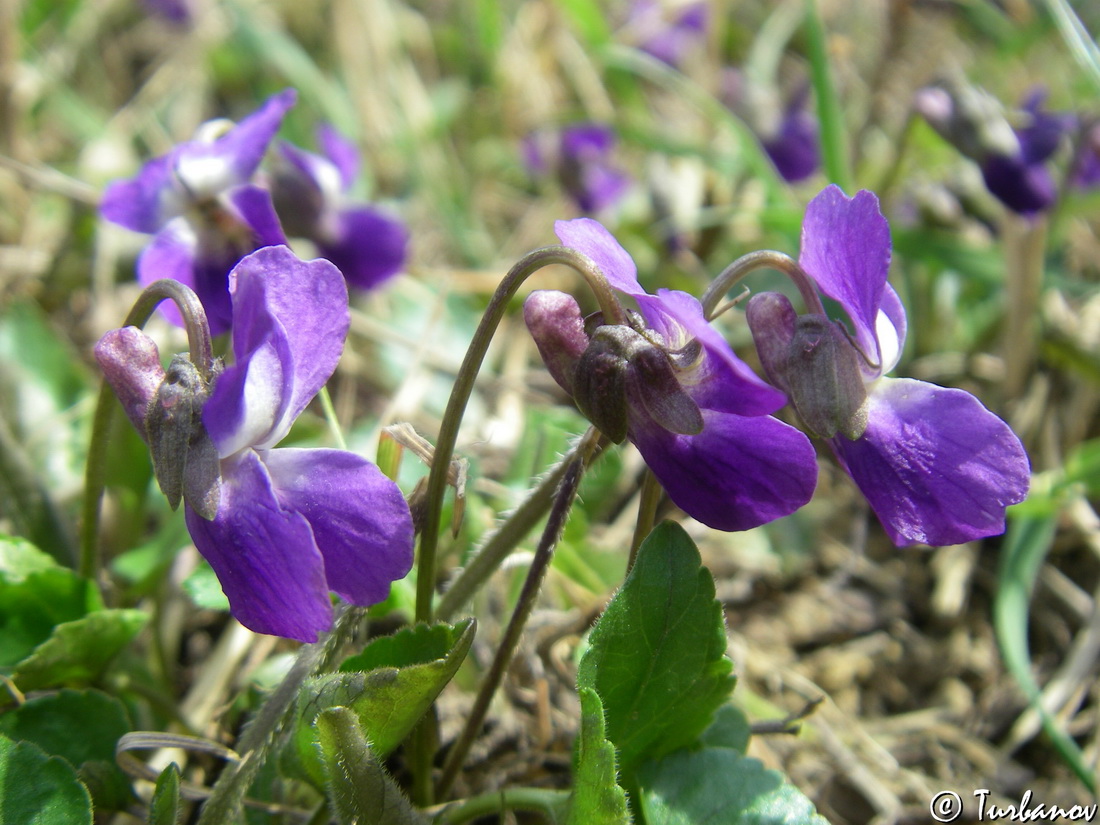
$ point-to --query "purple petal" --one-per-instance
(136, 203)
(590, 238)
(264, 555)
(131, 364)
(846, 250)
(795, 150)
(359, 518)
(290, 319)
(738, 473)
(1024, 188)
(587, 141)
(232, 159)
(934, 464)
(600, 186)
(368, 246)
(555, 322)
(341, 152)
(723, 382)
(171, 254)
(252, 206)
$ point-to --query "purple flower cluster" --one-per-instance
(207, 204)
(672, 385)
(934, 464)
(289, 524)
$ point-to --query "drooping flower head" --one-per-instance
(310, 195)
(668, 382)
(1012, 156)
(786, 128)
(581, 157)
(203, 208)
(934, 464)
(290, 524)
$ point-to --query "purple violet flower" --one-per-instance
(201, 206)
(309, 192)
(291, 524)
(934, 464)
(670, 383)
(580, 157)
(1012, 158)
(668, 35)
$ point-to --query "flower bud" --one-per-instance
(185, 460)
(814, 362)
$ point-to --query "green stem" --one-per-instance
(464, 385)
(763, 259)
(330, 417)
(834, 146)
(559, 513)
(509, 534)
(550, 803)
(225, 801)
(95, 472)
(647, 514)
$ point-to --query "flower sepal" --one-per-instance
(185, 460)
(814, 362)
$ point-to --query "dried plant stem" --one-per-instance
(1025, 243)
(559, 513)
(95, 473)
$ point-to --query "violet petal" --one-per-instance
(136, 203)
(846, 250)
(935, 465)
(131, 364)
(359, 518)
(264, 555)
(738, 473)
(590, 238)
(367, 246)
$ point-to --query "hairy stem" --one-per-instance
(559, 513)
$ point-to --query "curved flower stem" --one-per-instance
(95, 472)
(464, 385)
(511, 531)
(559, 513)
(764, 259)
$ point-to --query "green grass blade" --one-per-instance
(834, 145)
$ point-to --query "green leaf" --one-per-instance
(597, 798)
(204, 588)
(54, 797)
(78, 652)
(719, 786)
(589, 19)
(730, 729)
(360, 790)
(82, 727)
(395, 681)
(657, 655)
(36, 595)
(165, 806)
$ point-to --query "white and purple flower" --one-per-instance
(290, 524)
(203, 208)
(671, 384)
(310, 195)
(934, 464)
